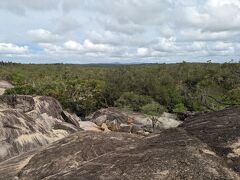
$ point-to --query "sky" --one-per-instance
(124, 31)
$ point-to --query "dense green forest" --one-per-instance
(148, 88)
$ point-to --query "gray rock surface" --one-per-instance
(28, 122)
(205, 146)
(221, 131)
(132, 122)
(172, 154)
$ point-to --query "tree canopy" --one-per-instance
(150, 88)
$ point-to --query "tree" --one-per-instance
(154, 109)
(133, 101)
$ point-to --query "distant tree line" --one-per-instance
(148, 88)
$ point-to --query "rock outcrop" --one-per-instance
(171, 154)
(221, 131)
(204, 146)
(28, 122)
(131, 122)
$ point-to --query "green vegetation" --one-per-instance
(149, 88)
(136, 102)
(133, 101)
(153, 109)
(179, 108)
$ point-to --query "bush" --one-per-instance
(234, 96)
(154, 109)
(133, 101)
(179, 108)
(21, 90)
(84, 96)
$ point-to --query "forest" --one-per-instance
(147, 88)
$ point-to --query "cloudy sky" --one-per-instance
(104, 31)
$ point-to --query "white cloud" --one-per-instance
(90, 46)
(216, 3)
(8, 48)
(66, 24)
(21, 6)
(123, 28)
(73, 46)
(43, 36)
(198, 35)
(134, 11)
(142, 51)
(166, 45)
(190, 17)
(50, 48)
(221, 46)
(87, 48)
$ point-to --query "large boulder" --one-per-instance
(221, 131)
(172, 154)
(112, 119)
(28, 122)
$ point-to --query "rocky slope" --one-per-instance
(204, 146)
(172, 154)
(221, 131)
(28, 122)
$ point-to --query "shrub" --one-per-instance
(234, 96)
(154, 109)
(179, 108)
(22, 90)
(133, 101)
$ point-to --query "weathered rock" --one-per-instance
(4, 85)
(221, 131)
(89, 126)
(110, 116)
(84, 125)
(71, 118)
(167, 121)
(28, 122)
(104, 127)
(113, 119)
(164, 121)
(205, 146)
(126, 121)
(172, 154)
(126, 128)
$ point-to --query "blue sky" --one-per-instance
(105, 31)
